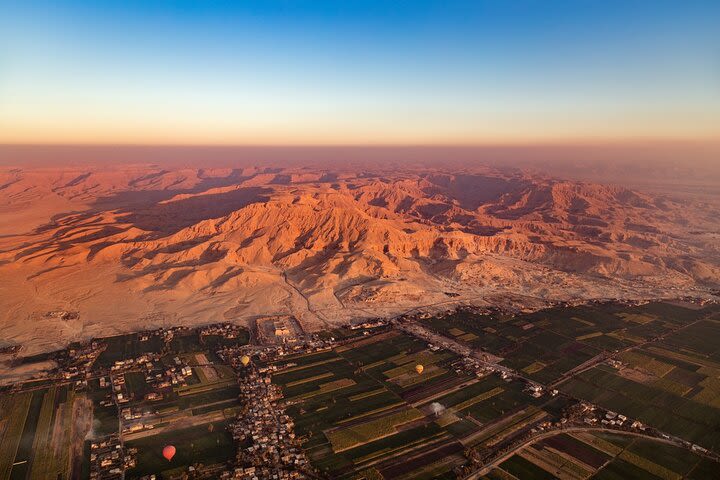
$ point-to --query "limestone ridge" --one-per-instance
(136, 244)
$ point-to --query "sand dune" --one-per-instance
(138, 246)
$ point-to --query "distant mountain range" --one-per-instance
(139, 246)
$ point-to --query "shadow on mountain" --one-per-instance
(472, 191)
(136, 197)
(159, 219)
(172, 216)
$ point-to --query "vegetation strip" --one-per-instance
(347, 438)
(483, 396)
(309, 379)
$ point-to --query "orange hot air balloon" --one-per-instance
(245, 360)
(419, 368)
(169, 452)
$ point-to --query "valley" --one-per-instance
(125, 246)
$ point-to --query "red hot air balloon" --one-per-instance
(169, 452)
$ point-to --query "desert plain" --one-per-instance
(89, 251)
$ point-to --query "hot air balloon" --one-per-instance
(245, 360)
(168, 452)
(419, 368)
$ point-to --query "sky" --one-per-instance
(348, 72)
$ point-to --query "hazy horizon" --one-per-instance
(630, 164)
(360, 72)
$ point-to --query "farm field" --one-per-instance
(363, 410)
(207, 444)
(192, 417)
(351, 403)
(602, 456)
(42, 433)
(650, 403)
(127, 346)
(672, 385)
(13, 414)
(362, 407)
(546, 344)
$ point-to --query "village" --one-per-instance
(273, 451)
(241, 403)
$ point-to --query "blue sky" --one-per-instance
(358, 72)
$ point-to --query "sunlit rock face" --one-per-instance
(97, 250)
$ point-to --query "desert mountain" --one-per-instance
(92, 251)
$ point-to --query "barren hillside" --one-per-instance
(138, 246)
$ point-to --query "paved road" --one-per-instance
(414, 328)
(484, 358)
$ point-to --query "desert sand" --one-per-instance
(90, 251)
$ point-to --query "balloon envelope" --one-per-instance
(169, 452)
(419, 368)
(245, 360)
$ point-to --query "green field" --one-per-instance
(211, 391)
(214, 389)
(24, 451)
(345, 438)
(123, 347)
(654, 406)
(550, 342)
(216, 342)
(362, 407)
(13, 413)
(368, 421)
(194, 445)
(604, 456)
(678, 386)
(382, 417)
(36, 434)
